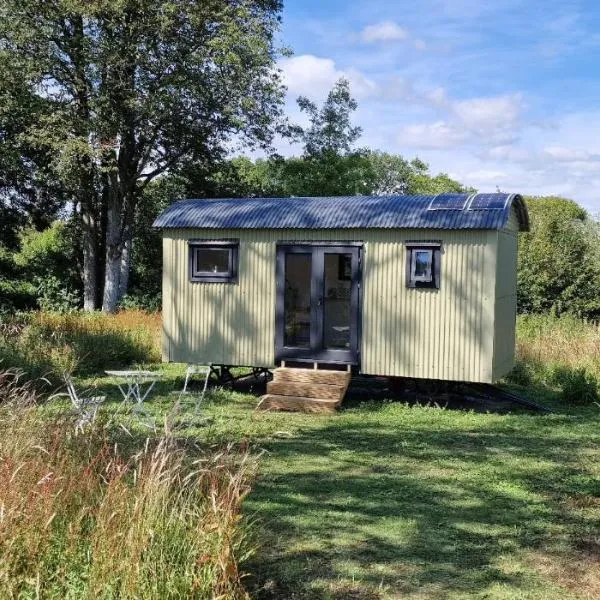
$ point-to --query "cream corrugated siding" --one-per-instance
(437, 334)
(506, 298)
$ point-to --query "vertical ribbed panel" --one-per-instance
(506, 298)
(438, 334)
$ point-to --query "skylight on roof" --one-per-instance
(448, 202)
(488, 202)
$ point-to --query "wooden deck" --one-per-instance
(305, 390)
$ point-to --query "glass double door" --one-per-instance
(318, 303)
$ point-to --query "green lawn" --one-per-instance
(384, 500)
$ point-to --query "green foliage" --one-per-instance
(43, 272)
(577, 385)
(17, 295)
(53, 295)
(150, 302)
(146, 256)
(559, 265)
(330, 131)
(114, 94)
(422, 182)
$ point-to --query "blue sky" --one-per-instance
(497, 93)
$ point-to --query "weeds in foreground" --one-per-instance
(81, 517)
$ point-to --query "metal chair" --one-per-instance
(85, 408)
(189, 373)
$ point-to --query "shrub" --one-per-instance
(577, 386)
(145, 302)
(52, 295)
(82, 519)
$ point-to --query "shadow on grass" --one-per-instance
(411, 510)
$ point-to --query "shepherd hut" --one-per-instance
(409, 286)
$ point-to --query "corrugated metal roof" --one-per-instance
(479, 211)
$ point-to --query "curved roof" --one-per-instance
(443, 211)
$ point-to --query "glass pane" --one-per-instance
(423, 264)
(337, 301)
(297, 300)
(212, 260)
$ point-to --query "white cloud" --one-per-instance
(491, 114)
(388, 31)
(510, 152)
(314, 76)
(563, 154)
(385, 31)
(431, 135)
(485, 121)
(487, 175)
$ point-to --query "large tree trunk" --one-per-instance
(90, 263)
(119, 230)
(91, 257)
(110, 300)
(114, 248)
(125, 266)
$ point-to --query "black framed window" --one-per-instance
(423, 262)
(214, 261)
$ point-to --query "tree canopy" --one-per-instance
(111, 95)
(559, 264)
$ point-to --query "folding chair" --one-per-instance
(85, 408)
(189, 373)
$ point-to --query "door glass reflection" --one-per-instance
(297, 300)
(337, 300)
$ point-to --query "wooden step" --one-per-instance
(307, 390)
(311, 376)
(297, 404)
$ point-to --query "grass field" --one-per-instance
(385, 500)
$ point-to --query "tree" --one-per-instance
(331, 131)
(422, 182)
(391, 173)
(329, 166)
(133, 89)
(559, 267)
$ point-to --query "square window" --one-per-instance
(423, 265)
(214, 261)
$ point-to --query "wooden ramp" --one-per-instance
(305, 390)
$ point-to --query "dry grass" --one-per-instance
(565, 340)
(559, 353)
(44, 344)
(82, 517)
(579, 574)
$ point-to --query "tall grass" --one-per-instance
(560, 353)
(82, 518)
(45, 344)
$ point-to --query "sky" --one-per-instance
(496, 93)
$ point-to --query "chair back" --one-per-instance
(198, 369)
(71, 390)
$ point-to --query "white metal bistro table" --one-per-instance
(132, 386)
